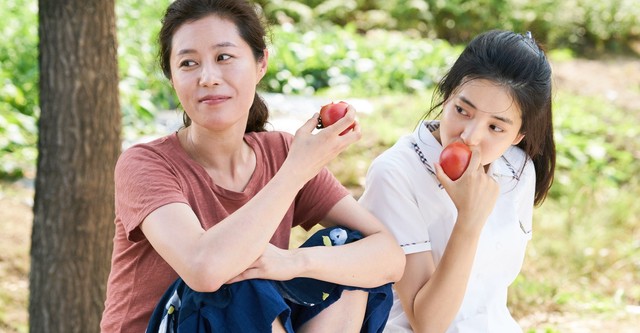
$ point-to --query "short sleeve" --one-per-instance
(144, 181)
(389, 196)
(316, 199)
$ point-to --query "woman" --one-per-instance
(465, 240)
(214, 203)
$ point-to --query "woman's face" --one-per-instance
(214, 73)
(481, 114)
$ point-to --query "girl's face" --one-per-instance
(481, 114)
(214, 73)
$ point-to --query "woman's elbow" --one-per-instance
(398, 261)
(392, 258)
(204, 277)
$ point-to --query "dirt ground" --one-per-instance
(617, 80)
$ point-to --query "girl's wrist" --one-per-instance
(470, 222)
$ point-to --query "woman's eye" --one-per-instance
(224, 57)
(496, 128)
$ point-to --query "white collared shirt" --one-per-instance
(403, 192)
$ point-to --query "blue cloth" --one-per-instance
(252, 305)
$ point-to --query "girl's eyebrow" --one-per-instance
(500, 118)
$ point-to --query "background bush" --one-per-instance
(337, 47)
(581, 25)
(18, 87)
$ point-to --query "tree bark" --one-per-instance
(79, 143)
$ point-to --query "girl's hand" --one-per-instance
(474, 194)
(310, 152)
(274, 264)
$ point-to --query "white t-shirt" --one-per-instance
(404, 193)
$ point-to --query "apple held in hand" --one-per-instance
(454, 159)
(331, 113)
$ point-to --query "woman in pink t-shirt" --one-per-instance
(213, 203)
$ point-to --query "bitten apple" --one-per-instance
(454, 159)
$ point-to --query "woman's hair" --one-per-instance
(250, 27)
(518, 63)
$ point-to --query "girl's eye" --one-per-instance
(461, 110)
(224, 57)
(187, 63)
(496, 128)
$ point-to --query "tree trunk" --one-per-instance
(79, 143)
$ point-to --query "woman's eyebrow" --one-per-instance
(219, 45)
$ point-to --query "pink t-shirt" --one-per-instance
(160, 172)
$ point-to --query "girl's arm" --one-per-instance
(431, 296)
(207, 259)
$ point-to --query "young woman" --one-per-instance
(465, 240)
(214, 203)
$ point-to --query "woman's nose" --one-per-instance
(209, 76)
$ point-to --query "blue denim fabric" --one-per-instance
(252, 305)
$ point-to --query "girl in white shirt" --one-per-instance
(465, 240)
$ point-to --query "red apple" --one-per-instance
(454, 159)
(331, 113)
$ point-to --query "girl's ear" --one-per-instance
(518, 138)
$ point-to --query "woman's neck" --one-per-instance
(229, 160)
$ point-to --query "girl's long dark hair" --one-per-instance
(517, 62)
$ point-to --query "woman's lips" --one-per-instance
(213, 99)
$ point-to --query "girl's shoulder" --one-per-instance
(514, 164)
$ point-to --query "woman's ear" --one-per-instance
(262, 63)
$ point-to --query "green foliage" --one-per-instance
(143, 88)
(19, 87)
(381, 62)
(590, 137)
(582, 25)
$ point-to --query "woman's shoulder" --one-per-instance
(270, 137)
(155, 147)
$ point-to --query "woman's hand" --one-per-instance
(475, 193)
(310, 152)
(274, 264)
